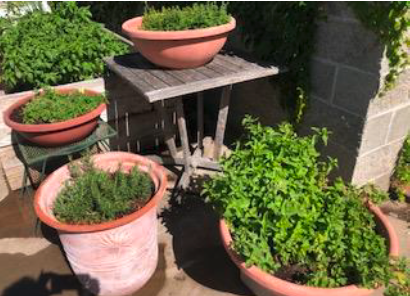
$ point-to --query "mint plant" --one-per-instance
(287, 219)
(187, 18)
(52, 107)
(54, 48)
(92, 196)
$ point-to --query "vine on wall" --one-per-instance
(390, 22)
(282, 32)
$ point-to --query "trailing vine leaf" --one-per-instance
(390, 22)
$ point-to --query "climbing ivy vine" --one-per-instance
(282, 32)
(390, 22)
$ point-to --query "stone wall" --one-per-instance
(348, 69)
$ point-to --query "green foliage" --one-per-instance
(51, 106)
(93, 196)
(54, 48)
(187, 18)
(390, 22)
(373, 194)
(401, 175)
(283, 33)
(286, 218)
(400, 283)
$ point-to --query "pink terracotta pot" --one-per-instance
(55, 134)
(112, 258)
(178, 49)
(264, 284)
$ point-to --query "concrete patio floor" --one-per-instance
(192, 260)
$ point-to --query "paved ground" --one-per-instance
(192, 261)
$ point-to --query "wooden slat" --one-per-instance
(169, 135)
(158, 84)
(183, 135)
(200, 119)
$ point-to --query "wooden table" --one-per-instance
(156, 84)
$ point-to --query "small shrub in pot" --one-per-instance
(287, 220)
(181, 38)
(105, 212)
(56, 117)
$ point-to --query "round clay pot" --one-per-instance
(55, 134)
(264, 284)
(116, 257)
(178, 49)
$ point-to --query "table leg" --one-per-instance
(200, 121)
(168, 135)
(183, 133)
(222, 119)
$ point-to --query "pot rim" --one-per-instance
(285, 287)
(132, 27)
(49, 127)
(121, 157)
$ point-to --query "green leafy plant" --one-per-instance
(54, 48)
(189, 17)
(92, 196)
(401, 176)
(390, 22)
(51, 106)
(286, 218)
(400, 283)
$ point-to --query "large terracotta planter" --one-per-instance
(178, 49)
(264, 284)
(112, 258)
(55, 134)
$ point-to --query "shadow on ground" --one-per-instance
(197, 247)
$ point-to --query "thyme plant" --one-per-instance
(52, 107)
(92, 196)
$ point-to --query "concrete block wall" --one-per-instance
(348, 69)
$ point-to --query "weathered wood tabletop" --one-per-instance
(158, 84)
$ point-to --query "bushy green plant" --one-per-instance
(51, 106)
(92, 195)
(400, 284)
(189, 17)
(401, 175)
(288, 220)
(54, 48)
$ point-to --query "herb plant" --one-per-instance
(400, 283)
(287, 219)
(52, 107)
(54, 48)
(187, 18)
(401, 177)
(93, 196)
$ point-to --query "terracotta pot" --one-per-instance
(178, 49)
(264, 284)
(55, 134)
(111, 258)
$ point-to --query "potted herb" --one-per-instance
(401, 177)
(288, 229)
(181, 38)
(104, 209)
(56, 117)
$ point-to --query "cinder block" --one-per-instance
(346, 128)
(377, 163)
(375, 132)
(354, 90)
(322, 78)
(349, 43)
(401, 124)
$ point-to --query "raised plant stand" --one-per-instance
(32, 155)
(157, 84)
